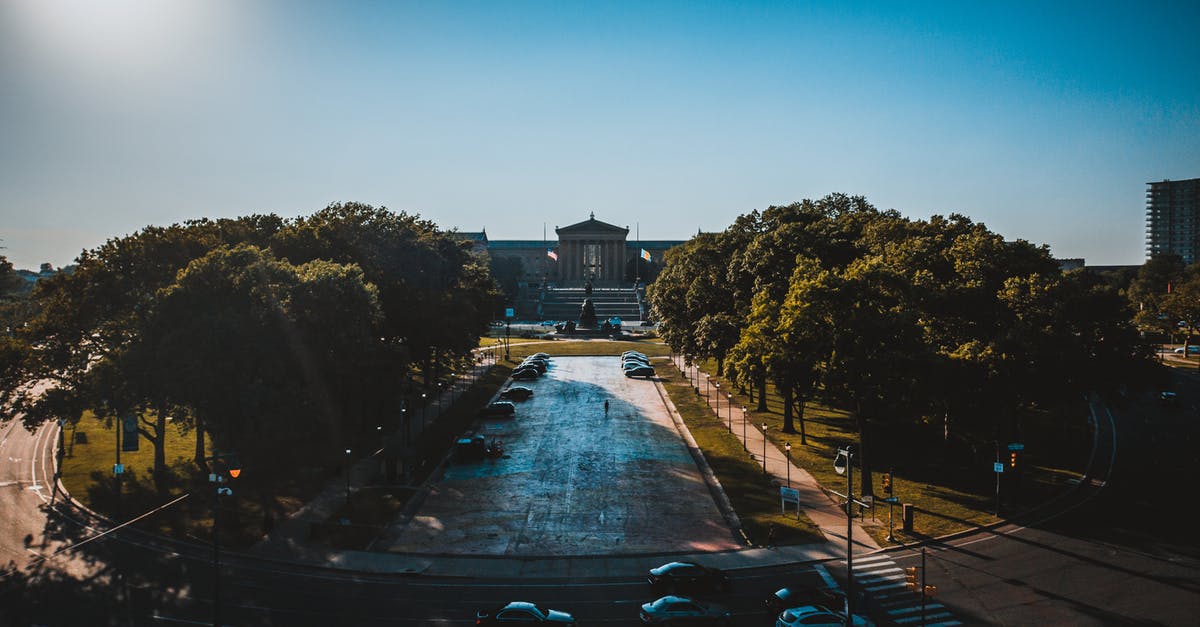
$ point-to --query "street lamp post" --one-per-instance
(846, 456)
(729, 410)
(764, 448)
(441, 394)
(423, 404)
(347, 477)
(717, 384)
(706, 387)
(787, 447)
(745, 446)
(217, 479)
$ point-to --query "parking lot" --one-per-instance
(573, 480)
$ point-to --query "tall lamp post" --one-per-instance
(217, 478)
(787, 447)
(423, 405)
(843, 464)
(745, 446)
(347, 477)
(706, 387)
(764, 448)
(729, 410)
(717, 384)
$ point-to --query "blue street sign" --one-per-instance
(1016, 446)
(891, 499)
(998, 467)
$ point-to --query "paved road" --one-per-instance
(574, 479)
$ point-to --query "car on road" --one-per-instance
(541, 365)
(817, 616)
(640, 371)
(673, 610)
(500, 408)
(523, 613)
(516, 393)
(1168, 398)
(795, 596)
(526, 374)
(1192, 349)
(688, 576)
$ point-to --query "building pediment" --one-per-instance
(591, 226)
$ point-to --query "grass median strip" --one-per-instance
(755, 500)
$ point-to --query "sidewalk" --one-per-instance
(819, 506)
(288, 539)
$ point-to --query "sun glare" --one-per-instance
(114, 37)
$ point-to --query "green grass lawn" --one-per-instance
(753, 498)
(949, 494)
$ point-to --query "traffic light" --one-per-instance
(887, 483)
(910, 577)
(1012, 459)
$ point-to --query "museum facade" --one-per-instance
(591, 250)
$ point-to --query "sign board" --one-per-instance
(1016, 446)
(118, 469)
(998, 467)
(129, 433)
(509, 312)
(791, 495)
(891, 499)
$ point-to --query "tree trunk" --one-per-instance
(866, 487)
(801, 403)
(788, 424)
(160, 449)
(762, 394)
(199, 454)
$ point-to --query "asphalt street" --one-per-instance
(574, 479)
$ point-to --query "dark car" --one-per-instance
(535, 363)
(470, 448)
(1168, 398)
(526, 374)
(631, 360)
(794, 596)
(500, 408)
(516, 393)
(523, 613)
(688, 576)
(541, 355)
(673, 610)
(634, 353)
(640, 371)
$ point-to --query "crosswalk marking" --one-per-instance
(884, 580)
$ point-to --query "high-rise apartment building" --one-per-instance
(1173, 219)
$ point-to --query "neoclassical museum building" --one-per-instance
(589, 250)
(553, 274)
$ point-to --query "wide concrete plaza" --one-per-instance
(573, 480)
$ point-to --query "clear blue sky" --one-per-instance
(1043, 120)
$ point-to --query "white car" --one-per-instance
(1192, 349)
(817, 616)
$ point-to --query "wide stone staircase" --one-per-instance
(561, 304)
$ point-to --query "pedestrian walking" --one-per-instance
(605, 408)
(771, 536)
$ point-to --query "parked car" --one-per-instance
(688, 576)
(632, 354)
(516, 393)
(1192, 349)
(523, 613)
(1168, 398)
(634, 359)
(541, 355)
(673, 610)
(640, 371)
(634, 364)
(817, 616)
(535, 363)
(470, 448)
(526, 374)
(500, 408)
